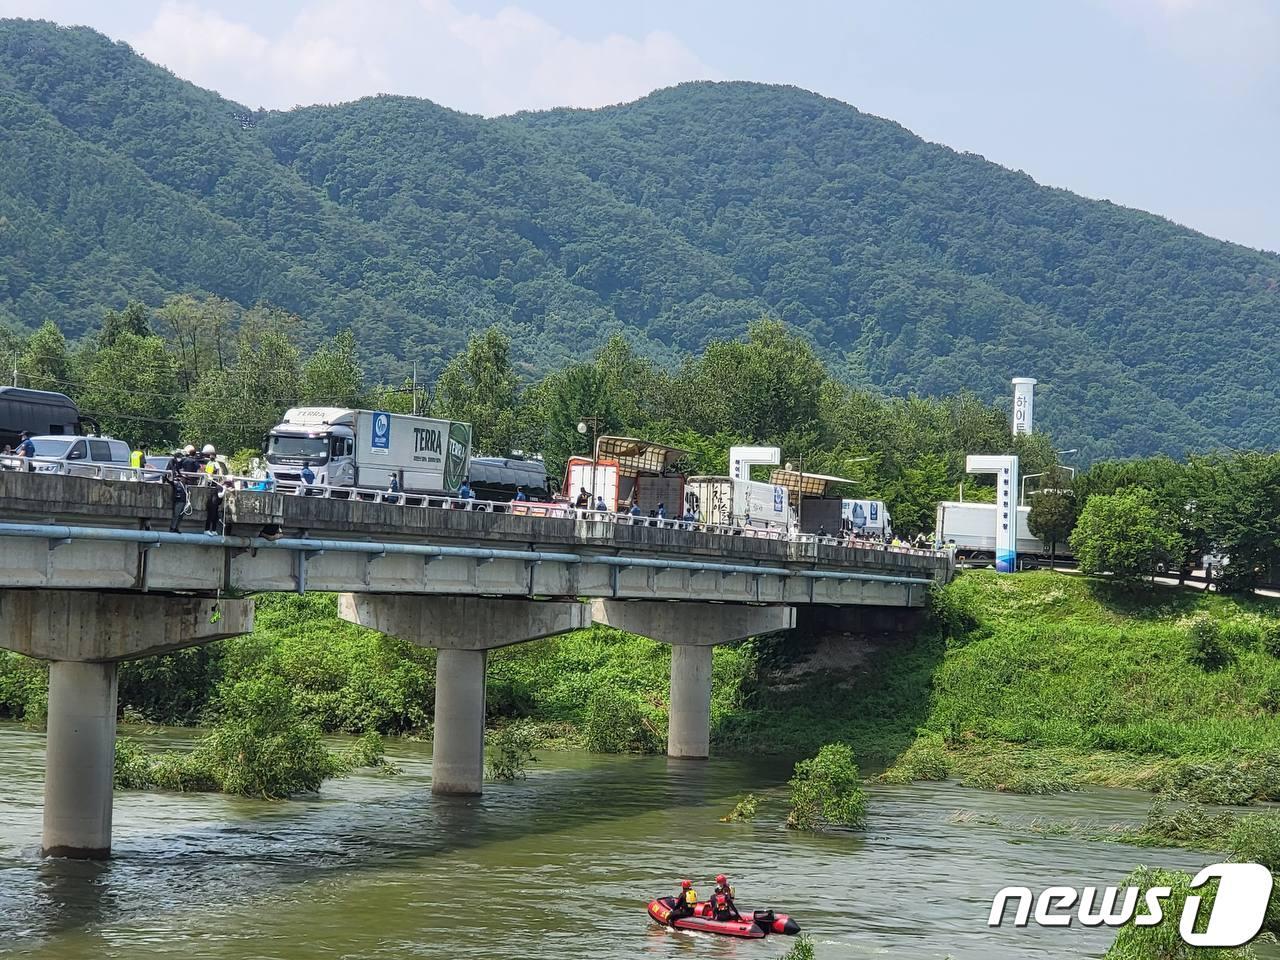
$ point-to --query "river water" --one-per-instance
(557, 866)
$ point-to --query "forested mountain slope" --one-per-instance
(677, 219)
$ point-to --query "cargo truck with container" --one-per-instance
(725, 501)
(365, 449)
(626, 470)
(969, 528)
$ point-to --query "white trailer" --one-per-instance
(730, 502)
(971, 529)
(366, 448)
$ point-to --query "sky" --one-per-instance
(1171, 106)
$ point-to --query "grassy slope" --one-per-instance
(1058, 680)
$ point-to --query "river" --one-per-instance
(556, 866)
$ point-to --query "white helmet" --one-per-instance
(208, 450)
(189, 449)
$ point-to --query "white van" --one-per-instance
(100, 457)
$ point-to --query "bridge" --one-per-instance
(89, 576)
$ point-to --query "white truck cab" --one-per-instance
(322, 438)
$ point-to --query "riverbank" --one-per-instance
(1051, 682)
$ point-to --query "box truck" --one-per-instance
(366, 448)
(971, 527)
(866, 518)
(729, 502)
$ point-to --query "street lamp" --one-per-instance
(592, 424)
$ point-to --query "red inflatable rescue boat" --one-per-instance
(753, 925)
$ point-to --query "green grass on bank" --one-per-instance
(1050, 681)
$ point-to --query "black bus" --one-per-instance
(43, 412)
(496, 478)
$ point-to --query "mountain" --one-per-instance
(676, 219)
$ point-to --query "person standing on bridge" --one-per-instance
(181, 467)
(27, 450)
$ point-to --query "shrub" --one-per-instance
(173, 688)
(826, 790)
(1256, 839)
(24, 688)
(802, 949)
(510, 750)
(952, 612)
(1162, 941)
(743, 810)
(925, 759)
(1206, 646)
(1271, 638)
(260, 748)
(1224, 780)
(616, 724)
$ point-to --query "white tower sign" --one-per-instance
(1006, 471)
(1024, 389)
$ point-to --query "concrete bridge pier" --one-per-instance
(85, 634)
(692, 630)
(462, 630)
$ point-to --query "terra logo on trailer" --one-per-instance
(1236, 917)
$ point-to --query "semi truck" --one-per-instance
(366, 448)
(730, 502)
(970, 528)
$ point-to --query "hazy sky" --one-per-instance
(1168, 105)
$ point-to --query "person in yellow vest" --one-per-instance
(686, 900)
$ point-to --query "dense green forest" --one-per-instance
(677, 220)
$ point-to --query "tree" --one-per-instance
(333, 377)
(200, 332)
(1125, 535)
(45, 364)
(131, 387)
(562, 400)
(479, 386)
(132, 320)
(768, 388)
(1052, 516)
(1240, 510)
(236, 407)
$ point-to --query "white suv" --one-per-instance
(100, 457)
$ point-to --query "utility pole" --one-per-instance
(15, 368)
(415, 388)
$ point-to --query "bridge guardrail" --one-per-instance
(120, 472)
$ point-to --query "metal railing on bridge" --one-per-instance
(532, 508)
